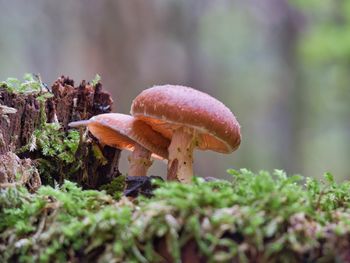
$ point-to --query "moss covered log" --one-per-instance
(252, 218)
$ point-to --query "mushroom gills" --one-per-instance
(110, 137)
(207, 140)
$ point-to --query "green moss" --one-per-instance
(57, 148)
(53, 142)
(98, 154)
(254, 217)
(31, 84)
(115, 188)
(96, 80)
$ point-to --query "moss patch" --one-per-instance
(115, 188)
(30, 84)
(253, 218)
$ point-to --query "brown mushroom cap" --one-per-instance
(167, 107)
(122, 131)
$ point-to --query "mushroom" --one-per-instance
(125, 132)
(191, 119)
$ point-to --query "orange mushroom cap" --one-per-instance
(123, 131)
(168, 107)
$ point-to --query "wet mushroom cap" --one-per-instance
(122, 131)
(168, 107)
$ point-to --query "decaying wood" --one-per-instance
(76, 103)
(14, 171)
(17, 128)
(68, 104)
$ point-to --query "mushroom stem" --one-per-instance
(139, 161)
(180, 164)
(77, 124)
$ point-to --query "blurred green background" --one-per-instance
(281, 66)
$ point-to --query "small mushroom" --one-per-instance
(191, 119)
(125, 132)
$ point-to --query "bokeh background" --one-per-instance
(281, 66)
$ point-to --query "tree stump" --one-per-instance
(23, 114)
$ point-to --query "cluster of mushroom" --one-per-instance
(168, 122)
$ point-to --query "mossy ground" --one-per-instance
(252, 218)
